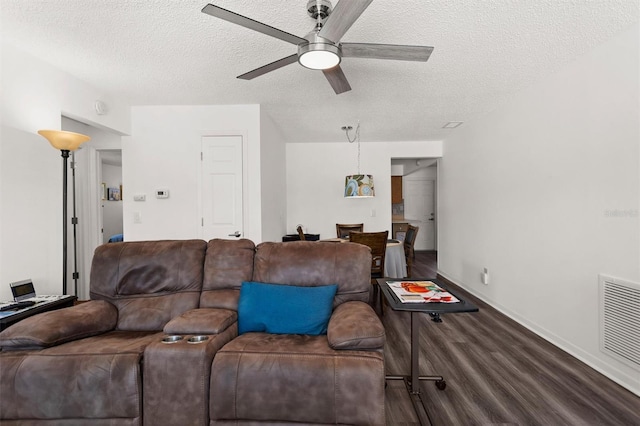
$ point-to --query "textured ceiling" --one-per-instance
(161, 52)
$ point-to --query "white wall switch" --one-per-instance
(137, 217)
(140, 197)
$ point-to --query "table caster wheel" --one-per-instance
(435, 317)
(441, 384)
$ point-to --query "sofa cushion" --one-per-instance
(281, 378)
(97, 380)
(284, 309)
(150, 282)
(228, 263)
(63, 325)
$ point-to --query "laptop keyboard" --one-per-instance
(18, 305)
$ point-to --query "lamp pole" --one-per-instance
(74, 222)
(65, 155)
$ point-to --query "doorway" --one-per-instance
(112, 192)
(417, 204)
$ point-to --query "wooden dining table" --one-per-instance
(395, 264)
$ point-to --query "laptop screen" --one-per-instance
(22, 290)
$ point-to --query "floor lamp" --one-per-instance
(65, 142)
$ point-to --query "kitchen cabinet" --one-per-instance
(396, 189)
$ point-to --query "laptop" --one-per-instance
(25, 291)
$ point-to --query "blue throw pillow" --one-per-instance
(285, 309)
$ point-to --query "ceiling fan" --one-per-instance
(321, 48)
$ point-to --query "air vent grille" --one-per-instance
(620, 320)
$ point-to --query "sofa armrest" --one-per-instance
(354, 325)
(202, 321)
(63, 325)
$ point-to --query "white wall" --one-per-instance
(164, 153)
(273, 180)
(528, 192)
(315, 183)
(34, 96)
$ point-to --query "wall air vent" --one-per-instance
(620, 319)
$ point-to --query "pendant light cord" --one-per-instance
(356, 137)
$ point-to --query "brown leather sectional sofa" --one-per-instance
(108, 361)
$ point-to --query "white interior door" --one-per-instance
(221, 185)
(419, 211)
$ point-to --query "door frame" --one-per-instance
(245, 181)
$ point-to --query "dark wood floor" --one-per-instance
(497, 372)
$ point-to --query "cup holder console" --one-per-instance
(171, 339)
(197, 339)
(176, 338)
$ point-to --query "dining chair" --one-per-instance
(301, 233)
(409, 241)
(343, 229)
(377, 241)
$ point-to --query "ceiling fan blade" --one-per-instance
(386, 51)
(233, 17)
(269, 67)
(337, 79)
(344, 14)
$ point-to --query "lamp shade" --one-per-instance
(63, 140)
(359, 186)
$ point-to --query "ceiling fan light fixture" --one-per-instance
(318, 56)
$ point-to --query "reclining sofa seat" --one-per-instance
(338, 378)
(83, 365)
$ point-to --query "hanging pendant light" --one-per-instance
(357, 185)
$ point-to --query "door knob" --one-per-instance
(235, 234)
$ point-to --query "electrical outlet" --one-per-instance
(485, 276)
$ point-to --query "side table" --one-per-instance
(8, 318)
(412, 381)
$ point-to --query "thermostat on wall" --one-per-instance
(162, 193)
